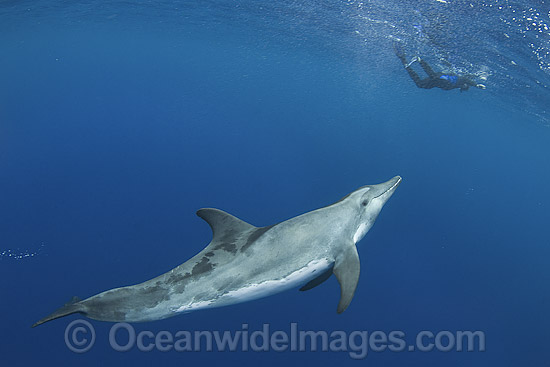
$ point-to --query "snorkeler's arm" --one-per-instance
(469, 80)
(472, 83)
(398, 49)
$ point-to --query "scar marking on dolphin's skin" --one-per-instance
(227, 246)
(202, 266)
(254, 236)
(227, 241)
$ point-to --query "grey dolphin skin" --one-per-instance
(243, 262)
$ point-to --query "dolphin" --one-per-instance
(244, 262)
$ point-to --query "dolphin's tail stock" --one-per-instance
(73, 306)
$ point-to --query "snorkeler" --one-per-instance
(435, 80)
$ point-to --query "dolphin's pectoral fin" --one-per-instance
(317, 281)
(347, 269)
(223, 224)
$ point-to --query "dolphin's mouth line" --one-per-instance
(391, 188)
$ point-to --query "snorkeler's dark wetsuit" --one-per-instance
(436, 80)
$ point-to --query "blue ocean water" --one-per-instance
(119, 120)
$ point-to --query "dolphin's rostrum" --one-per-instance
(244, 262)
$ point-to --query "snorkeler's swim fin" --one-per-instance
(414, 59)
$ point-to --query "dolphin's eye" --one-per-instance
(365, 202)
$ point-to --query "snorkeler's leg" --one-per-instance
(398, 49)
(428, 69)
(415, 78)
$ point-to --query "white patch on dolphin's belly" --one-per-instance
(269, 287)
(360, 233)
(193, 306)
(254, 291)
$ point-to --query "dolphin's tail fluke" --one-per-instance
(73, 306)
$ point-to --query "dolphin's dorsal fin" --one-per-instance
(73, 300)
(347, 269)
(223, 224)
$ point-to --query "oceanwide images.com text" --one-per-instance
(80, 337)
